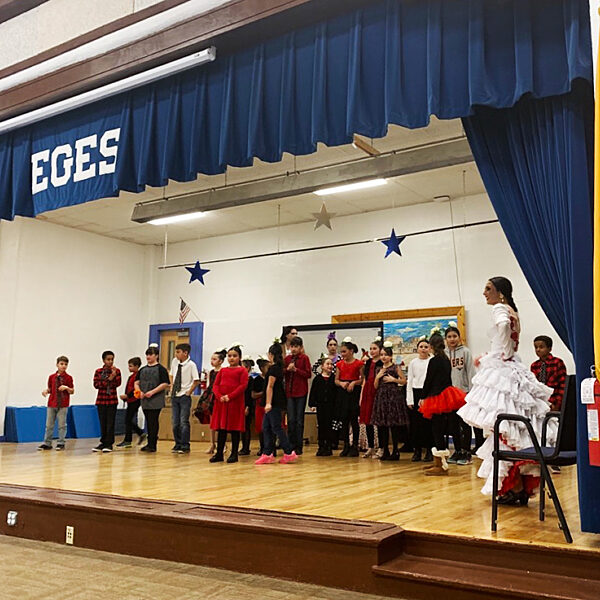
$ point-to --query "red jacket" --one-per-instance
(296, 382)
(56, 398)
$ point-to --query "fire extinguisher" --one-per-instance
(590, 396)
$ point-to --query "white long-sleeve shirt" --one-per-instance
(417, 370)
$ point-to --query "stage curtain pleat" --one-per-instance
(392, 61)
(536, 160)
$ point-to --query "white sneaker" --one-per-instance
(369, 453)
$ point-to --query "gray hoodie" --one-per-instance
(463, 369)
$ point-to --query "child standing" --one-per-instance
(132, 405)
(348, 378)
(249, 405)
(184, 379)
(106, 380)
(420, 427)
(463, 371)
(228, 412)
(258, 395)
(216, 362)
(275, 403)
(367, 397)
(150, 384)
(389, 409)
(59, 389)
(322, 395)
(549, 370)
(297, 373)
(440, 402)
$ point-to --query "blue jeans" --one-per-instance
(180, 419)
(51, 415)
(272, 427)
(295, 416)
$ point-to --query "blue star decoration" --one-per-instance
(393, 244)
(197, 272)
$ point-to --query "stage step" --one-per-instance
(486, 580)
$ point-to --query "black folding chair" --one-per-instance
(563, 454)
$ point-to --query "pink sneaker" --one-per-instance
(288, 458)
(265, 459)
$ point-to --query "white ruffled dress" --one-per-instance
(504, 384)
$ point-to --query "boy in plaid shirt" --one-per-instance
(549, 369)
(106, 380)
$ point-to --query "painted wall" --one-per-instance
(67, 292)
(249, 300)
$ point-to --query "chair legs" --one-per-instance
(542, 498)
(559, 511)
(495, 492)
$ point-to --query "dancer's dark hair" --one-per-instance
(504, 286)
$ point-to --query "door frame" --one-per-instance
(196, 329)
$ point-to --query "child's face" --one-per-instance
(152, 359)
(61, 366)
(332, 346)
(386, 358)
(452, 339)
(327, 367)
(181, 355)
(541, 349)
(346, 353)
(265, 368)
(233, 358)
(295, 350)
(132, 368)
(109, 360)
(215, 361)
(374, 351)
(423, 350)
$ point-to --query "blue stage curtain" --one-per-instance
(536, 160)
(394, 61)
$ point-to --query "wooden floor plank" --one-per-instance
(351, 488)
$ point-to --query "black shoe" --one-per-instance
(345, 451)
(260, 452)
(416, 457)
(45, 447)
(107, 449)
(175, 448)
(244, 452)
(386, 455)
(183, 451)
(60, 446)
(98, 448)
(147, 448)
(299, 451)
(454, 458)
(216, 458)
(513, 498)
(233, 458)
(353, 453)
(395, 455)
(327, 452)
(142, 438)
(428, 456)
(319, 452)
(124, 444)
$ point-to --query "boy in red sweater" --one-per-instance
(106, 380)
(59, 389)
(297, 373)
(549, 369)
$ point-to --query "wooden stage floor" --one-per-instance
(351, 488)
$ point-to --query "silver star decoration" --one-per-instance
(323, 217)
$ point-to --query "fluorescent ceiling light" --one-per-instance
(361, 185)
(176, 218)
(117, 87)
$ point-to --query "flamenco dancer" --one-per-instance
(504, 385)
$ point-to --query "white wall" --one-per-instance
(249, 300)
(63, 291)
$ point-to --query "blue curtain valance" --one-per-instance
(396, 61)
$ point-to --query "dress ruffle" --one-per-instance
(449, 400)
(505, 387)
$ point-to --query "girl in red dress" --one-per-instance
(228, 412)
(367, 397)
(216, 362)
(348, 378)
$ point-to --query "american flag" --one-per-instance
(184, 311)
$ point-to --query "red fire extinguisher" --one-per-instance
(590, 396)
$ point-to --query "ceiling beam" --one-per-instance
(415, 160)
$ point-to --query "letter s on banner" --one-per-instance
(109, 151)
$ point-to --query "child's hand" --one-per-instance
(224, 398)
(291, 367)
(123, 397)
(388, 379)
(350, 386)
(45, 393)
(148, 394)
(477, 361)
(62, 388)
(246, 411)
(268, 408)
(344, 385)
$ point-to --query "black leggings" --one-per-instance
(447, 424)
(384, 436)
(222, 439)
(371, 435)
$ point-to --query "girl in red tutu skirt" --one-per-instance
(440, 403)
(367, 397)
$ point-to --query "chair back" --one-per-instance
(567, 428)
